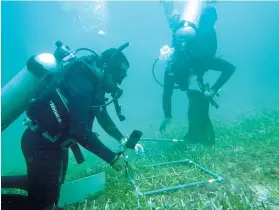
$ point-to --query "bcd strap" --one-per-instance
(71, 143)
(85, 66)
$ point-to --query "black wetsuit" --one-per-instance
(47, 161)
(199, 58)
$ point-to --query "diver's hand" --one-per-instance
(138, 148)
(122, 145)
(119, 163)
(210, 93)
(123, 141)
(164, 124)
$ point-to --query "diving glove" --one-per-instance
(122, 147)
(210, 93)
(139, 149)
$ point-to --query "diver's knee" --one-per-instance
(232, 68)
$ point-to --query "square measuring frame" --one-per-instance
(216, 178)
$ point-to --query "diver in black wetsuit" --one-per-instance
(195, 49)
(66, 113)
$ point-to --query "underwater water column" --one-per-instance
(91, 15)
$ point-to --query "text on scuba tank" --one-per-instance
(55, 111)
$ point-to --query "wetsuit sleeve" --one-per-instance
(108, 125)
(81, 91)
(168, 90)
(218, 64)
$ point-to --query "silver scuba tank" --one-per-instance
(41, 70)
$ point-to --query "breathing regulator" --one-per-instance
(64, 56)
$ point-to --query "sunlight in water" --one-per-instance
(191, 11)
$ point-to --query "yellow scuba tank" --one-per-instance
(40, 71)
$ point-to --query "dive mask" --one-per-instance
(110, 86)
(121, 73)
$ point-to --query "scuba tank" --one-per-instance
(41, 71)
